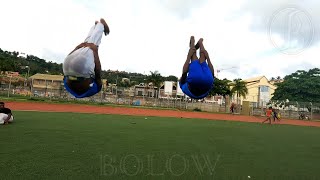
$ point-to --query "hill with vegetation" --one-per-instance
(17, 62)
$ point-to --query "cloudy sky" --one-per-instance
(244, 38)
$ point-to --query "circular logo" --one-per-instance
(291, 30)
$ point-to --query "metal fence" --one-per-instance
(118, 98)
(291, 110)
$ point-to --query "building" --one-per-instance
(144, 90)
(47, 85)
(260, 91)
(167, 89)
(9, 78)
(275, 81)
(9, 73)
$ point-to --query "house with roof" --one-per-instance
(52, 85)
(167, 89)
(260, 91)
(46, 84)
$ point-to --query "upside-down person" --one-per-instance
(197, 73)
(82, 67)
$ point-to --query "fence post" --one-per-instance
(311, 109)
(252, 109)
(289, 112)
(212, 107)
(9, 86)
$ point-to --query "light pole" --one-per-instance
(28, 73)
(31, 84)
(144, 88)
(311, 111)
(117, 87)
(9, 86)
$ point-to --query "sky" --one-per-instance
(244, 38)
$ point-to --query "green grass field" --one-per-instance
(85, 146)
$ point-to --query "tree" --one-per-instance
(239, 88)
(303, 86)
(156, 79)
(222, 88)
(125, 82)
(171, 78)
(11, 61)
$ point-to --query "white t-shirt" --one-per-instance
(3, 117)
(80, 63)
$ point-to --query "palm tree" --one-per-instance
(156, 79)
(239, 88)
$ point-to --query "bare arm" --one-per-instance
(211, 67)
(185, 68)
(8, 118)
(78, 47)
(97, 69)
(209, 63)
(185, 71)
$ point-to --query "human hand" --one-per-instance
(81, 45)
(92, 46)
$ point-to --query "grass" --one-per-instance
(43, 145)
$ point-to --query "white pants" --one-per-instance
(3, 117)
(81, 62)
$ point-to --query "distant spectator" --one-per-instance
(6, 116)
(232, 107)
(275, 115)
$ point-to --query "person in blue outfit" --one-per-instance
(197, 73)
(82, 67)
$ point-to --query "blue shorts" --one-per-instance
(94, 89)
(199, 75)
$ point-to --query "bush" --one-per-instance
(37, 99)
(197, 109)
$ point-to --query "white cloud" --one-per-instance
(150, 35)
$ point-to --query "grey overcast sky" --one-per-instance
(244, 38)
